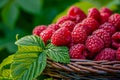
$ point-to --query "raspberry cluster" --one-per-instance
(94, 36)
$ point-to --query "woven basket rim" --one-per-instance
(82, 67)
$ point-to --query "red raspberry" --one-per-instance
(85, 27)
(104, 36)
(116, 36)
(53, 26)
(116, 40)
(79, 18)
(92, 23)
(106, 54)
(38, 29)
(79, 35)
(68, 24)
(94, 13)
(77, 13)
(94, 44)
(61, 37)
(118, 54)
(46, 34)
(105, 10)
(115, 44)
(115, 20)
(104, 17)
(77, 51)
(108, 27)
(65, 18)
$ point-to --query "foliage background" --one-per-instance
(21, 16)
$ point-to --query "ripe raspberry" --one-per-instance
(46, 34)
(94, 13)
(65, 18)
(115, 45)
(105, 10)
(77, 13)
(106, 54)
(77, 51)
(94, 44)
(53, 26)
(118, 54)
(116, 36)
(85, 27)
(68, 24)
(108, 27)
(115, 20)
(79, 35)
(92, 23)
(104, 36)
(38, 29)
(104, 17)
(116, 40)
(79, 18)
(61, 37)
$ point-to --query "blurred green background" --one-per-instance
(21, 16)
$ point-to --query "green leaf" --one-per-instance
(32, 6)
(29, 49)
(27, 64)
(58, 54)
(6, 61)
(6, 73)
(81, 5)
(30, 41)
(99, 3)
(10, 14)
(3, 2)
(2, 78)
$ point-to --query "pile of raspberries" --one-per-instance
(95, 36)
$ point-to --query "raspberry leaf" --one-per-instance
(6, 61)
(28, 63)
(58, 53)
(30, 41)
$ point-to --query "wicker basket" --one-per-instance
(84, 70)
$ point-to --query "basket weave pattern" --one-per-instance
(81, 68)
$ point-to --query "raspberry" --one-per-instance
(53, 26)
(85, 27)
(92, 23)
(115, 20)
(108, 27)
(77, 13)
(106, 54)
(79, 18)
(104, 17)
(77, 51)
(104, 36)
(65, 18)
(116, 36)
(68, 24)
(116, 40)
(94, 44)
(105, 10)
(46, 34)
(38, 29)
(61, 37)
(118, 54)
(115, 45)
(79, 35)
(94, 13)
